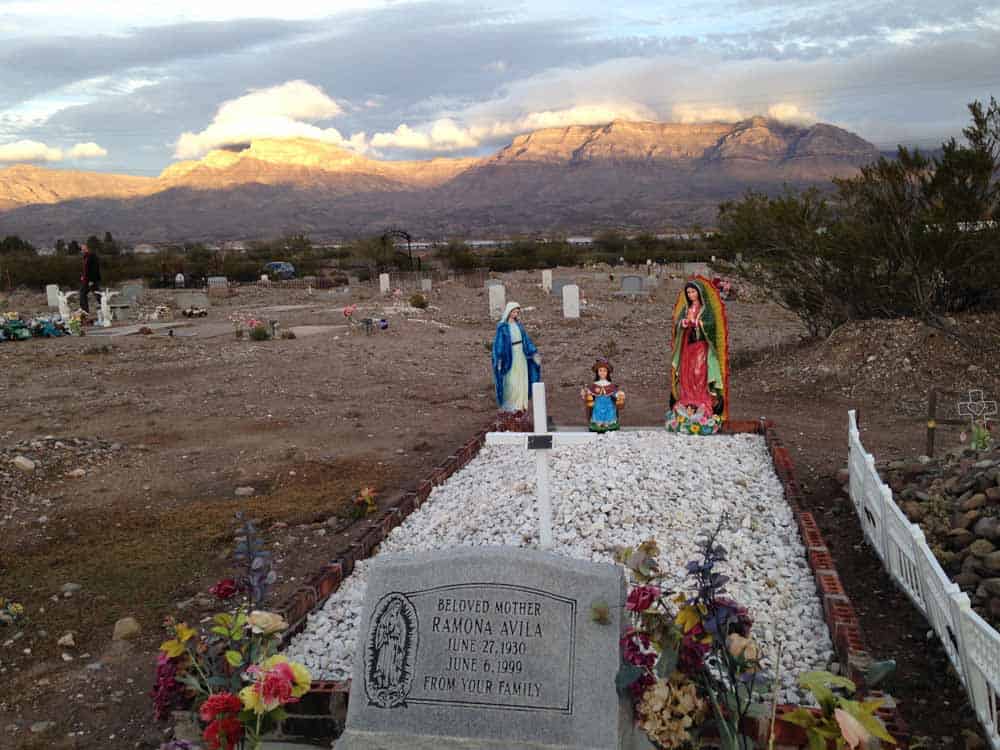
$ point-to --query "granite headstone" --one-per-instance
(491, 647)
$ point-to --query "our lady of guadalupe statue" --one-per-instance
(699, 369)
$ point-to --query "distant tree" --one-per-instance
(60, 246)
(14, 245)
(610, 242)
(456, 255)
(73, 248)
(297, 243)
(110, 246)
(95, 244)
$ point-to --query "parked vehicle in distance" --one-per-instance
(279, 269)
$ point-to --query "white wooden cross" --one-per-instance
(976, 407)
(541, 443)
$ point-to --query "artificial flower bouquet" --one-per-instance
(689, 661)
(231, 676)
(691, 666)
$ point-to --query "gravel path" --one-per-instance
(618, 490)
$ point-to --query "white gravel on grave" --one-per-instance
(617, 490)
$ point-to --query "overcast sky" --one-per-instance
(108, 85)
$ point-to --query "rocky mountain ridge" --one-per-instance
(645, 175)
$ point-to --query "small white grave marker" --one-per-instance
(547, 280)
(571, 301)
(498, 300)
(383, 283)
(425, 285)
(52, 296)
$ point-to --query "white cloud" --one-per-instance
(445, 134)
(285, 111)
(35, 151)
(789, 112)
(691, 113)
(783, 111)
(28, 151)
(87, 151)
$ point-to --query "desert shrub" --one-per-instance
(260, 332)
(419, 301)
(910, 236)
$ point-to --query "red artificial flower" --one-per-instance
(636, 649)
(692, 652)
(224, 589)
(642, 598)
(218, 704)
(223, 734)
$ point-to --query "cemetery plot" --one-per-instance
(621, 489)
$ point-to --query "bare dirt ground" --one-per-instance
(165, 429)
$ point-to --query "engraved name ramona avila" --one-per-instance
(391, 651)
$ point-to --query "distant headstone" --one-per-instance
(218, 282)
(571, 301)
(487, 648)
(651, 282)
(191, 298)
(498, 300)
(558, 285)
(547, 280)
(383, 283)
(132, 293)
(492, 282)
(632, 284)
(52, 296)
(425, 285)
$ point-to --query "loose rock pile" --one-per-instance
(956, 501)
(619, 490)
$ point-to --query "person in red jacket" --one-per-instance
(90, 281)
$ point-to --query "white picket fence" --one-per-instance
(972, 645)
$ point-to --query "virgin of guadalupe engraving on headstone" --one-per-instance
(390, 651)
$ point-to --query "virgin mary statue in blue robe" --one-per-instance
(516, 362)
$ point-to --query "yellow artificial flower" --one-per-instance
(695, 428)
(303, 680)
(175, 647)
(688, 618)
(252, 700)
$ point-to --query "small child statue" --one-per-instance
(603, 398)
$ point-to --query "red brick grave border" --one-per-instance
(322, 711)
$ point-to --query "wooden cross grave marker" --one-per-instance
(541, 443)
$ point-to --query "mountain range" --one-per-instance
(577, 179)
